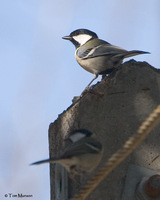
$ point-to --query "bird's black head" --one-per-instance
(80, 37)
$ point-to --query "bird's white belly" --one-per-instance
(96, 65)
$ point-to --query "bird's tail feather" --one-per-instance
(134, 53)
(44, 161)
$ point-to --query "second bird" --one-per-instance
(95, 55)
(82, 155)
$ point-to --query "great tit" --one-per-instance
(95, 55)
(83, 153)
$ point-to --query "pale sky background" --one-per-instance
(39, 75)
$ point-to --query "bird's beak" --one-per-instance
(66, 38)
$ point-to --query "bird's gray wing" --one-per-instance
(81, 147)
(88, 47)
(104, 50)
(78, 148)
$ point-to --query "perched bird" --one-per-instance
(83, 153)
(95, 55)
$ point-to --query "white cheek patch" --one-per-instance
(77, 136)
(82, 39)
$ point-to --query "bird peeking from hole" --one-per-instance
(83, 154)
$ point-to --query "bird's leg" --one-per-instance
(87, 88)
(75, 100)
(95, 76)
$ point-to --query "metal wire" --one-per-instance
(121, 154)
